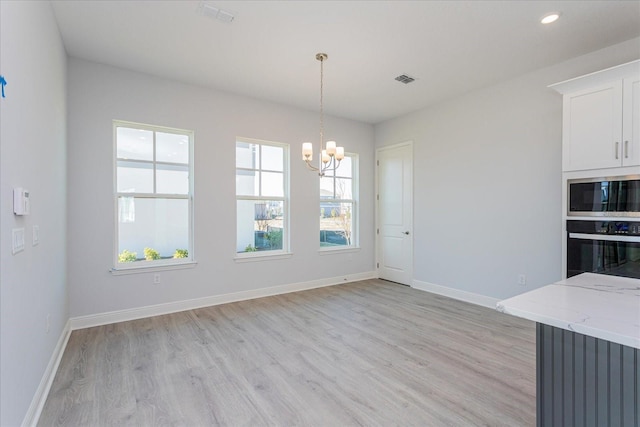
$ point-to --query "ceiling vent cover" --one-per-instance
(208, 9)
(403, 78)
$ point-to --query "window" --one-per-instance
(338, 205)
(153, 195)
(262, 192)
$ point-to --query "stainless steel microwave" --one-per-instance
(604, 197)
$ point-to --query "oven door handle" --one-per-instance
(605, 237)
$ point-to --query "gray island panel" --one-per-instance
(588, 349)
(585, 381)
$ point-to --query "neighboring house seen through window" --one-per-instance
(153, 195)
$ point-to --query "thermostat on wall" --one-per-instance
(21, 205)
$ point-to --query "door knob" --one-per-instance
(405, 232)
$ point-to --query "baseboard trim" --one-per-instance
(40, 397)
(100, 319)
(456, 294)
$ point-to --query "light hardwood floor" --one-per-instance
(370, 353)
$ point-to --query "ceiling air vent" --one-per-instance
(403, 78)
(210, 10)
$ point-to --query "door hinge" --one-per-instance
(377, 231)
(377, 197)
(378, 162)
(377, 265)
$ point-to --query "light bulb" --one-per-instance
(331, 148)
(325, 157)
(307, 151)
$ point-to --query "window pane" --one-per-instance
(172, 148)
(158, 224)
(134, 177)
(135, 144)
(126, 209)
(172, 179)
(272, 158)
(326, 188)
(259, 225)
(247, 183)
(247, 155)
(335, 224)
(344, 188)
(272, 184)
(346, 168)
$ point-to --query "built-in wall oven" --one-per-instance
(606, 247)
(603, 226)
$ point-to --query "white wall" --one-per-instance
(99, 94)
(32, 155)
(488, 180)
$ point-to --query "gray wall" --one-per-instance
(32, 155)
(487, 171)
(99, 94)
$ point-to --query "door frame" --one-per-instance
(377, 203)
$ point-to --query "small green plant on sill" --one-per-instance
(151, 254)
(181, 253)
(250, 248)
(126, 256)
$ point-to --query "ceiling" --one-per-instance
(268, 51)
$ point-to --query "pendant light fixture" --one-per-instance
(330, 155)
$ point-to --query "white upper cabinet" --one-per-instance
(601, 119)
(631, 122)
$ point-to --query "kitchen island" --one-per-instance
(587, 349)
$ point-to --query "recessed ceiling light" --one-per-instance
(549, 18)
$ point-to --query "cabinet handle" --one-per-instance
(626, 149)
(617, 150)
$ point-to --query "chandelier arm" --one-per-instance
(310, 166)
(331, 165)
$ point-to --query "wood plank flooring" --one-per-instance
(369, 353)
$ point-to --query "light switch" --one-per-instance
(36, 235)
(17, 235)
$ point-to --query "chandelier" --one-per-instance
(331, 155)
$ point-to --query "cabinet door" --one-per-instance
(631, 122)
(592, 128)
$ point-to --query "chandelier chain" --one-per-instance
(321, 101)
(331, 157)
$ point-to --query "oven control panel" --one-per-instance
(624, 228)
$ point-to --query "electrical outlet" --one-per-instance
(156, 278)
(522, 280)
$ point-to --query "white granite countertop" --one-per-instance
(601, 306)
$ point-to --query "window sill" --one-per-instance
(262, 257)
(152, 268)
(334, 250)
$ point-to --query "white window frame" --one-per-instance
(161, 264)
(355, 183)
(277, 253)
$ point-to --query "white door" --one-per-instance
(395, 213)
